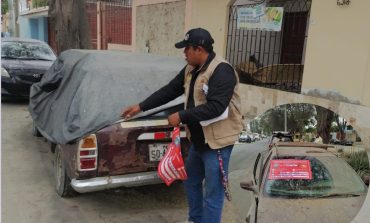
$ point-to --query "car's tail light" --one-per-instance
(87, 153)
(161, 135)
(158, 135)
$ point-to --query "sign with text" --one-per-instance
(289, 169)
(260, 17)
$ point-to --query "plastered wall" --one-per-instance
(159, 27)
(213, 16)
(338, 49)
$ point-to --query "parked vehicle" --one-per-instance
(23, 62)
(244, 137)
(347, 138)
(280, 136)
(124, 154)
(94, 149)
(256, 136)
(303, 182)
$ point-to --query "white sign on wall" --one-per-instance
(260, 17)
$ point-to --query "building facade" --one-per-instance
(33, 19)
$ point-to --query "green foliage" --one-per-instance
(255, 126)
(358, 161)
(334, 128)
(4, 7)
(39, 3)
(311, 130)
(298, 116)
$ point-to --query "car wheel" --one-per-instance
(35, 131)
(62, 181)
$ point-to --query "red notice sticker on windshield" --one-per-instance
(289, 169)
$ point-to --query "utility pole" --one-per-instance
(13, 17)
(285, 120)
(16, 16)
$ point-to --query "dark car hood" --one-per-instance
(25, 64)
(325, 210)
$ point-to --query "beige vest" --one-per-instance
(221, 133)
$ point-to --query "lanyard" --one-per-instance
(225, 180)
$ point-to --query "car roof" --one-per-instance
(302, 144)
(301, 149)
(17, 39)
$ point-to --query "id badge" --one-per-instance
(205, 89)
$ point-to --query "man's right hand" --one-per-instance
(130, 111)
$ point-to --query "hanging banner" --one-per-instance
(260, 18)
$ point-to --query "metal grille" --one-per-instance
(115, 22)
(273, 59)
(91, 13)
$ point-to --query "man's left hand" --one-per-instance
(174, 119)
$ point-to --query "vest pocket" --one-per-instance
(223, 129)
(228, 127)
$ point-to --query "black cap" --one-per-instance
(196, 37)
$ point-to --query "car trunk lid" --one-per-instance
(135, 146)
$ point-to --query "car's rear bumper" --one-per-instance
(109, 182)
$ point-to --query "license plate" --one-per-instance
(156, 151)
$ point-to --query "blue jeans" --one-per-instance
(205, 208)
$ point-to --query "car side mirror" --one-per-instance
(249, 185)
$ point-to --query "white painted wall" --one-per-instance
(338, 49)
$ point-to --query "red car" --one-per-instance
(76, 106)
(124, 154)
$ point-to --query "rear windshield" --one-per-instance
(26, 51)
(330, 176)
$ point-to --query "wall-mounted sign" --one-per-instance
(289, 169)
(260, 17)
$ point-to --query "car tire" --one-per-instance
(62, 181)
(35, 131)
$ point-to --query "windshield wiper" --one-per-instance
(41, 59)
(339, 195)
(10, 57)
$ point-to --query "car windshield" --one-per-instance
(243, 134)
(26, 51)
(330, 176)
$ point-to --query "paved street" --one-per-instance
(28, 186)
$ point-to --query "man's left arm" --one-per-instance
(220, 91)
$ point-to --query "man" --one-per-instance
(318, 139)
(210, 86)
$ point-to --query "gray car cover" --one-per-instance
(85, 90)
